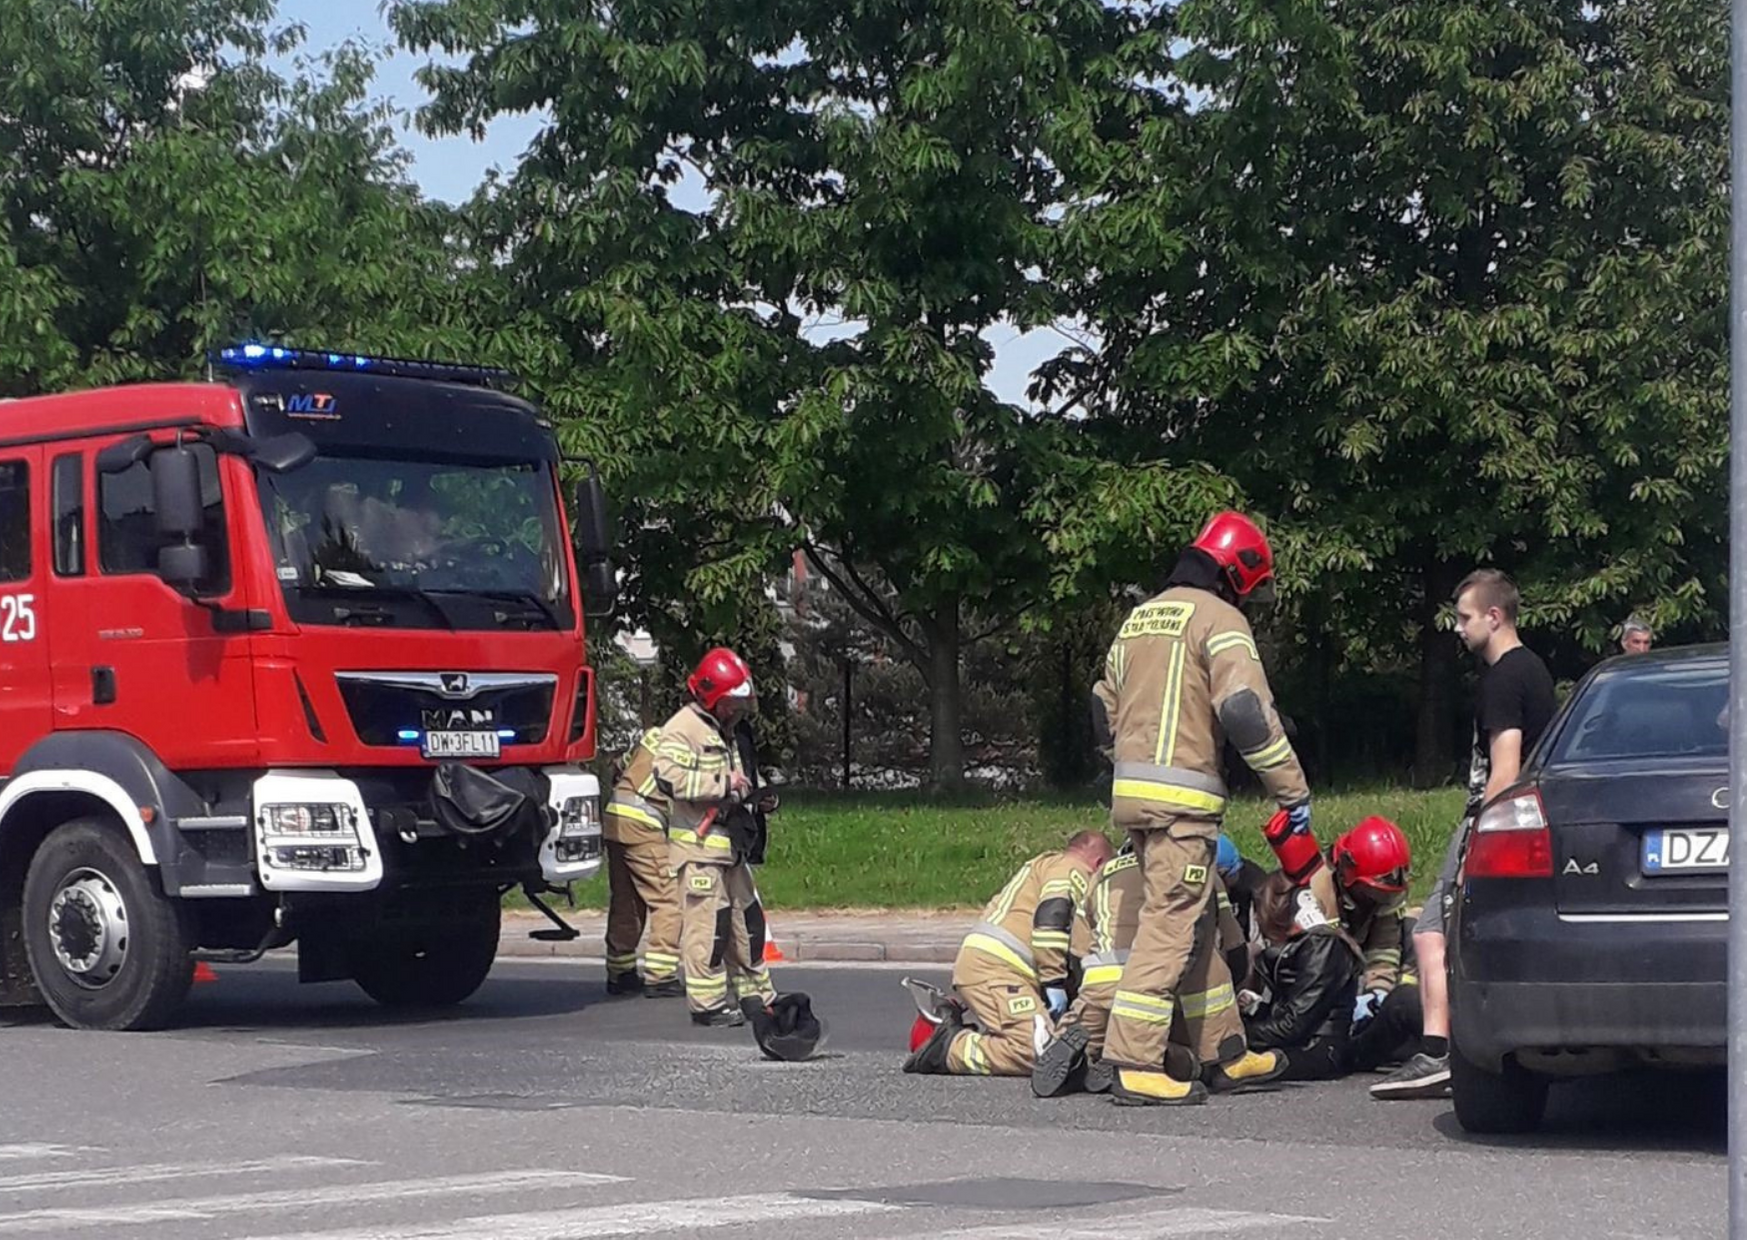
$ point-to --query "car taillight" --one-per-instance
(1511, 840)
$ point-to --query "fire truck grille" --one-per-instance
(396, 708)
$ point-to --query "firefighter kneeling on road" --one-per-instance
(1012, 968)
(1361, 885)
(1182, 677)
(699, 767)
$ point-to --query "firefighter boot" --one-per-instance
(1134, 1088)
(666, 988)
(1099, 1076)
(1249, 1070)
(929, 1059)
(1061, 1066)
(719, 1018)
(625, 984)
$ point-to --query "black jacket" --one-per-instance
(1313, 980)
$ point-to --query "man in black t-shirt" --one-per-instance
(1513, 707)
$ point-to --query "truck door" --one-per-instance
(25, 697)
(132, 654)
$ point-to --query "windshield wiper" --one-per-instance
(525, 597)
(369, 595)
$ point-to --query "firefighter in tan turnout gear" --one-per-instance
(1012, 968)
(699, 768)
(640, 882)
(1102, 941)
(1182, 678)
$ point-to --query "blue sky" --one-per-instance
(450, 168)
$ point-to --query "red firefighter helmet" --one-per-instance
(921, 1029)
(1240, 549)
(1373, 855)
(720, 674)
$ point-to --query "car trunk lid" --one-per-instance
(1639, 837)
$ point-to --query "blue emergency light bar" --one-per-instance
(257, 357)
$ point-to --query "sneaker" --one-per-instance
(719, 1018)
(1252, 1069)
(1132, 1088)
(1060, 1068)
(624, 984)
(666, 988)
(1423, 1076)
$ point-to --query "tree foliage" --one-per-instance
(163, 192)
(718, 182)
(1449, 289)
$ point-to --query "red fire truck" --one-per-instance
(294, 655)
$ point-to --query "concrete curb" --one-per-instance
(813, 938)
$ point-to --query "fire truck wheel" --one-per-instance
(435, 967)
(108, 951)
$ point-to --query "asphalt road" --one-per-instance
(542, 1110)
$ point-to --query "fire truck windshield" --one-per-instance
(418, 544)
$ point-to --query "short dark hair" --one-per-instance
(1495, 589)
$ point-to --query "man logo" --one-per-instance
(455, 684)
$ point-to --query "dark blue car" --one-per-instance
(1591, 925)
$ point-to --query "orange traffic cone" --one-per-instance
(772, 953)
(203, 972)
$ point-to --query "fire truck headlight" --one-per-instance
(313, 836)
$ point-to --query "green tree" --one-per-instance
(162, 192)
(1470, 258)
(718, 180)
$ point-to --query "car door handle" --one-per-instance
(102, 686)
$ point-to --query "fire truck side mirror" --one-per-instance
(592, 538)
(600, 583)
(180, 514)
(600, 587)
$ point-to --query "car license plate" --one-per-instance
(1686, 850)
(460, 745)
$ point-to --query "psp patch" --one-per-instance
(1024, 1005)
(1195, 875)
(702, 882)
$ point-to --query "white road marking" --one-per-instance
(199, 1208)
(1151, 1225)
(21, 1152)
(151, 1173)
(631, 1219)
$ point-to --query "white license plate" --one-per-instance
(460, 745)
(1686, 849)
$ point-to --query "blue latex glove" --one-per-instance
(1226, 858)
(1367, 1006)
(1299, 817)
(1057, 999)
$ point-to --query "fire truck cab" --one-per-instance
(292, 656)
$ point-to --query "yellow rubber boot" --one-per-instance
(1253, 1068)
(1133, 1088)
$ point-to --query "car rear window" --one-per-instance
(1667, 711)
